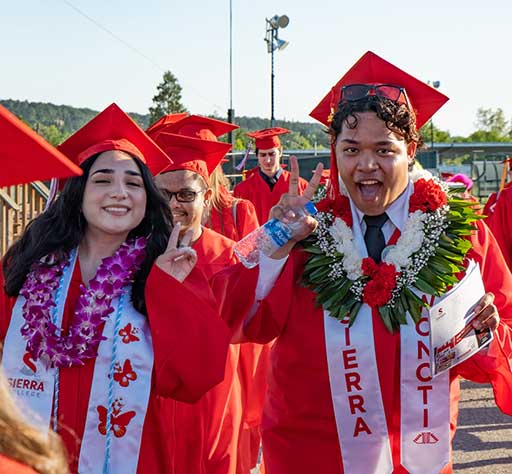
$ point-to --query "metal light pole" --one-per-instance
(435, 85)
(231, 112)
(274, 44)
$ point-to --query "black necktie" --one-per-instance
(373, 237)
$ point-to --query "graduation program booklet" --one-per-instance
(453, 339)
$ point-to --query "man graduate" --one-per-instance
(350, 389)
(202, 437)
(229, 216)
(265, 184)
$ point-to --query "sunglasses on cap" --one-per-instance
(354, 92)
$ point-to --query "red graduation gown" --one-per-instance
(254, 359)
(298, 427)
(185, 333)
(256, 190)
(500, 222)
(205, 436)
(491, 200)
(235, 221)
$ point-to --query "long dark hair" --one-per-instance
(62, 227)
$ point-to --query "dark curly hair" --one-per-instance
(398, 118)
(62, 227)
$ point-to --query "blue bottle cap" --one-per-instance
(310, 208)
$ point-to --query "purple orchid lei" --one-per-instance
(92, 309)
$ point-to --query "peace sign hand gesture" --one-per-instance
(176, 261)
(284, 209)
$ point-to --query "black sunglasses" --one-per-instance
(183, 195)
(354, 92)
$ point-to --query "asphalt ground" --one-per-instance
(483, 441)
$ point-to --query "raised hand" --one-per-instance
(178, 261)
(285, 209)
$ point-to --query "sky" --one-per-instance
(90, 53)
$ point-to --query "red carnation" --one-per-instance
(378, 291)
(369, 267)
(375, 295)
(427, 196)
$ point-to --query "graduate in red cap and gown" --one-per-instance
(350, 389)
(202, 437)
(227, 215)
(101, 312)
(234, 218)
(499, 210)
(265, 184)
(26, 157)
(493, 197)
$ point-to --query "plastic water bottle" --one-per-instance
(270, 237)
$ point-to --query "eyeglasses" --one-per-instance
(354, 92)
(183, 195)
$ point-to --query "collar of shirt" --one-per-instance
(397, 213)
(271, 181)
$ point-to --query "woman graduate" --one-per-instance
(101, 312)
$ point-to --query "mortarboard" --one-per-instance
(372, 69)
(195, 126)
(268, 137)
(199, 156)
(113, 129)
(26, 157)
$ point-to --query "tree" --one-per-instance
(493, 121)
(168, 98)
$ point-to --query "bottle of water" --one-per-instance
(270, 237)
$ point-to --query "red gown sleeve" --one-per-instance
(190, 340)
(235, 289)
(494, 365)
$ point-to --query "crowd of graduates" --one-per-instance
(132, 334)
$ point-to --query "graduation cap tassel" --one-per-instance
(241, 165)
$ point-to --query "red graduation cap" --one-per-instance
(199, 156)
(195, 126)
(26, 157)
(372, 69)
(113, 129)
(268, 137)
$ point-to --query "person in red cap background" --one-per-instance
(498, 209)
(234, 218)
(100, 312)
(506, 182)
(265, 185)
(350, 390)
(229, 216)
(202, 437)
(26, 157)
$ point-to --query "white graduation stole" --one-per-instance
(356, 396)
(357, 399)
(132, 370)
